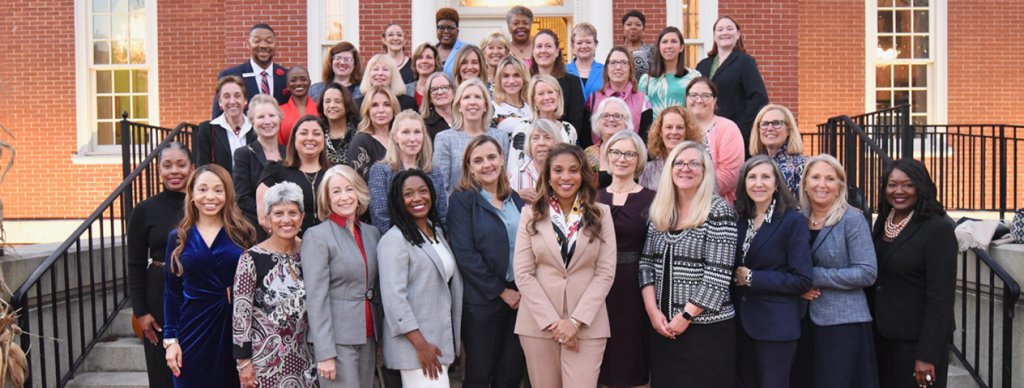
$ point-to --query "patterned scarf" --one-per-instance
(567, 226)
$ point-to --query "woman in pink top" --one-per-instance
(300, 104)
(620, 82)
(721, 136)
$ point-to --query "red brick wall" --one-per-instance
(654, 12)
(375, 15)
(973, 97)
(770, 35)
(38, 106)
(831, 61)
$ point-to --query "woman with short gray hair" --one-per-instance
(269, 326)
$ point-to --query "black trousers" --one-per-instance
(896, 363)
(763, 364)
(494, 357)
(156, 363)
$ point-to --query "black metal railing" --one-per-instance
(986, 355)
(76, 293)
(142, 141)
(975, 167)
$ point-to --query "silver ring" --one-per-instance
(561, 341)
(928, 377)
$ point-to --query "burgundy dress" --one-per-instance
(626, 356)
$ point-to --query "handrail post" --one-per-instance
(126, 145)
(1002, 171)
(907, 138)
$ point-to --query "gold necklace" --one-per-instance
(609, 189)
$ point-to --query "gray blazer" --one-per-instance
(417, 296)
(844, 263)
(337, 284)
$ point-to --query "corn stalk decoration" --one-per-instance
(13, 363)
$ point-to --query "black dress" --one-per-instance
(275, 173)
(741, 90)
(406, 71)
(151, 221)
(574, 112)
(363, 152)
(249, 163)
(627, 353)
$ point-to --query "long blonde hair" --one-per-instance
(551, 81)
(397, 86)
(364, 111)
(499, 91)
(458, 122)
(838, 208)
(239, 229)
(794, 143)
(393, 157)
(663, 212)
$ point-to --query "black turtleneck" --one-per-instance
(151, 223)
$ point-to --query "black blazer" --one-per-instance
(435, 124)
(912, 298)
(252, 86)
(404, 102)
(479, 243)
(249, 163)
(575, 112)
(741, 91)
(782, 269)
(210, 145)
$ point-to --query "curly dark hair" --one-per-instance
(447, 14)
(591, 214)
(927, 194)
(400, 217)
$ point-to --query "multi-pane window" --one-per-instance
(904, 59)
(330, 22)
(693, 47)
(118, 67)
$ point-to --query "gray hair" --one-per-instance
(552, 129)
(641, 149)
(519, 10)
(627, 118)
(284, 192)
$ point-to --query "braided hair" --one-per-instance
(400, 217)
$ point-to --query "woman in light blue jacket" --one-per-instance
(420, 285)
(836, 348)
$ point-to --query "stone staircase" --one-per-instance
(116, 362)
(119, 362)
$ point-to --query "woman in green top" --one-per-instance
(665, 84)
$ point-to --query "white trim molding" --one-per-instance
(316, 25)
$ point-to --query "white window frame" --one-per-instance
(316, 26)
(708, 14)
(937, 46)
(85, 85)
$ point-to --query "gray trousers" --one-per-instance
(354, 366)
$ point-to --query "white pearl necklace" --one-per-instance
(892, 230)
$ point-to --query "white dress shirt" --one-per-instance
(234, 141)
(256, 69)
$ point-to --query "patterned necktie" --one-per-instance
(265, 83)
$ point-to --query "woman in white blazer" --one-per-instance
(420, 285)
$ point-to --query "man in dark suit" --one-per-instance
(261, 74)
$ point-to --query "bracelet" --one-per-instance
(244, 364)
(169, 342)
(575, 324)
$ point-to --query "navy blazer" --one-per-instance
(741, 90)
(252, 86)
(913, 297)
(844, 264)
(780, 261)
(480, 244)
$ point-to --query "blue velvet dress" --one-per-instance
(197, 310)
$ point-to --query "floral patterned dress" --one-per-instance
(269, 323)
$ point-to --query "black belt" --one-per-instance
(627, 257)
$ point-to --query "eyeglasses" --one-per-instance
(700, 96)
(440, 89)
(612, 116)
(339, 58)
(692, 166)
(447, 28)
(775, 124)
(629, 155)
(618, 64)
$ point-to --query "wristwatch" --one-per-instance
(687, 316)
(749, 277)
(169, 342)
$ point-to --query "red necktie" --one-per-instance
(265, 84)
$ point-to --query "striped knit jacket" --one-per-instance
(700, 265)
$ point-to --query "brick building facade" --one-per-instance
(813, 55)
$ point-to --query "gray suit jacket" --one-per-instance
(417, 296)
(844, 263)
(337, 283)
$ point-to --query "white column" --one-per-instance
(423, 26)
(599, 13)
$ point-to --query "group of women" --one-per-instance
(491, 223)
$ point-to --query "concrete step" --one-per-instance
(110, 380)
(958, 376)
(119, 355)
(122, 326)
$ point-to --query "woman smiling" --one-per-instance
(473, 113)
(665, 84)
(304, 164)
(251, 160)
(370, 144)
(547, 60)
(673, 126)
